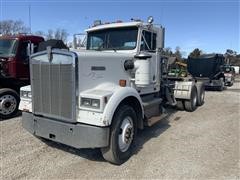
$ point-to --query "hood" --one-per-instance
(98, 67)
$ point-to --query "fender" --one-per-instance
(118, 96)
(182, 89)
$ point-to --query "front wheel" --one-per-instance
(122, 136)
(9, 102)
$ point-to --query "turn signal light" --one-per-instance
(122, 82)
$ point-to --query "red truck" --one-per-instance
(14, 69)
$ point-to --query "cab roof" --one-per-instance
(116, 25)
(22, 37)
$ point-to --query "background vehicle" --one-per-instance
(14, 69)
(236, 69)
(101, 96)
(229, 74)
(177, 68)
(208, 68)
(15, 53)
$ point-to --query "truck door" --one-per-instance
(148, 44)
(22, 64)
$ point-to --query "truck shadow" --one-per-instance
(154, 131)
(90, 154)
(142, 137)
(19, 113)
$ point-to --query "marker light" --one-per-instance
(150, 19)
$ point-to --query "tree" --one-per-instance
(167, 52)
(13, 27)
(232, 57)
(50, 34)
(177, 53)
(195, 53)
(40, 33)
(60, 34)
(230, 52)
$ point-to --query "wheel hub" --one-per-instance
(126, 134)
(8, 104)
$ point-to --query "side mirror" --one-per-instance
(30, 49)
(143, 56)
(79, 40)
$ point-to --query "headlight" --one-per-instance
(92, 103)
(26, 94)
(96, 103)
(86, 102)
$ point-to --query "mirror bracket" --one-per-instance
(143, 56)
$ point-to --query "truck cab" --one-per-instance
(101, 96)
(131, 38)
(14, 69)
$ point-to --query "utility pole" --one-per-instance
(29, 18)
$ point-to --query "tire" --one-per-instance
(9, 102)
(180, 105)
(191, 105)
(221, 88)
(200, 95)
(123, 124)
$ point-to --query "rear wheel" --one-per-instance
(191, 105)
(200, 95)
(180, 105)
(9, 102)
(221, 87)
(122, 136)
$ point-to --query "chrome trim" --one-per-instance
(74, 109)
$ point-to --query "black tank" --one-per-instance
(205, 66)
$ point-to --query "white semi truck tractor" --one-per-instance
(101, 96)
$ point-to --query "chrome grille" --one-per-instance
(53, 87)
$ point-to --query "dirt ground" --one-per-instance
(199, 145)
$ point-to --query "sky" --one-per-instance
(210, 25)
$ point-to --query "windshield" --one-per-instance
(227, 69)
(8, 47)
(113, 39)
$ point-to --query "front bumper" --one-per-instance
(75, 135)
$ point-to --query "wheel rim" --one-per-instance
(125, 136)
(8, 104)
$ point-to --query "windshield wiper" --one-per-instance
(100, 48)
(111, 47)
